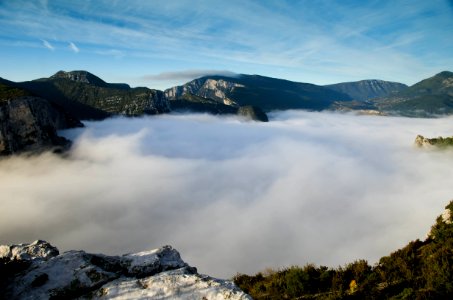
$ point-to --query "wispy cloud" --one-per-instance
(73, 47)
(48, 45)
(111, 52)
(252, 37)
(187, 74)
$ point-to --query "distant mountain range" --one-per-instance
(429, 97)
(80, 95)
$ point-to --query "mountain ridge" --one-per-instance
(265, 92)
(89, 97)
(368, 89)
(87, 77)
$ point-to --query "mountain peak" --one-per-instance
(444, 74)
(80, 76)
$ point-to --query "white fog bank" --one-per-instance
(234, 196)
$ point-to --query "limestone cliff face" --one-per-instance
(30, 124)
(216, 89)
(38, 271)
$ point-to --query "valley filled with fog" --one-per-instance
(231, 195)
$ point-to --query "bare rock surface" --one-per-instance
(38, 271)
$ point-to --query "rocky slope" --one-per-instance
(367, 89)
(29, 123)
(264, 92)
(38, 271)
(430, 97)
(89, 97)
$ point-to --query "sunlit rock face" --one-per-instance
(38, 271)
(439, 142)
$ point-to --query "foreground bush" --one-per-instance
(420, 270)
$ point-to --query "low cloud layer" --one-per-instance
(233, 196)
(187, 75)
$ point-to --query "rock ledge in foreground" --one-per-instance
(38, 271)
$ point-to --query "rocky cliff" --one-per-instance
(30, 124)
(38, 271)
(217, 89)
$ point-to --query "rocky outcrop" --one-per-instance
(30, 124)
(439, 142)
(26, 252)
(38, 271)
(252, 113)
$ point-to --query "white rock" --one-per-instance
(35, 250)
(177, 284)
(153, 261)
(446, 216)
(154, 274)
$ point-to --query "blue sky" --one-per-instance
(164, 43)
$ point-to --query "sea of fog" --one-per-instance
(231, 195)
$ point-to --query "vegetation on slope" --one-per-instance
(364, 90)
(430, 97)
(440, 142)
(420, 270)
